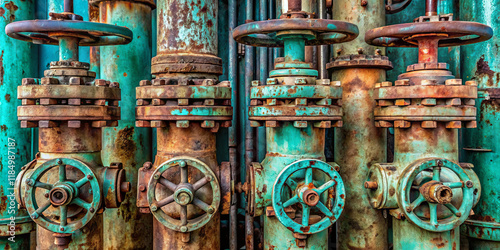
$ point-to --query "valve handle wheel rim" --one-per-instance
(62, 194)
(459, 215)
(309, 196)
(91, 33)
(325, 31)
(457, 33)
(184, 194)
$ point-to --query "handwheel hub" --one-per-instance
(61, 195)
(436, 192)
(183, 195)
(309, 196)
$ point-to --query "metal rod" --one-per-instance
(68, 48)
(294, 5)
(68, 6)
(322, 49)
(431, 7)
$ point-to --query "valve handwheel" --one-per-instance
(184, 194)
(60, 195)
(319, 31)
(435, 193)
(308, 195)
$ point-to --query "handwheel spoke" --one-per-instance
(291, 201)
(200, 183)
(167, 184)
(62, 173)
(184, 175)
(42, 208)
(325, 186)
(457, 184)
(291, 183)
(63, 210)
(436, 173)
(453, 209)
(81, 182)
(183, 215)
(199, 203)
(324, 209)
(309, 176)
(306, 210)
(433, 213)
(418, 201)
(43, 185)
(81, 203)
(165, 201)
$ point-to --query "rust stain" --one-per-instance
(438, 241)
(125, 74)
(7, 97)
(483, 70)
(3, 127)
(2, 11)
(2, 71)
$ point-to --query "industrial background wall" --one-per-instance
(243, 124)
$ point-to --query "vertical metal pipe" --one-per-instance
(94, 51)
(322, 49)
(260, 140)
(68, 6)
(431, 7)
(360, 226)
(233, 154)
(249, 131)
(68, 48)
(16, 62)
(127, 64)
(481, 145)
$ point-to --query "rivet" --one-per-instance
(154, 208)
(157, 176)
(210, 210)
(90, 177)
(61, 228)
(184, 229)
(59, 161)
(469, 184)
(91, 209)
(182, 164)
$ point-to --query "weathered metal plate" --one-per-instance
(424, 113)
(296, 91)
(192, 113)
(67, 112)
(293, 113)
(429, 91)
(67, 91)
(179, 91)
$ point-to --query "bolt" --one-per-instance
(440, 163)
(46, 195)
(29, 182)
(154, 208)
(364, 3)
(34, 216)
(147, 165)
(469, 184)
(409, 209)
(182, 164)
(90, 177)
(371, 184)
(210, 210)
(92, 210)
(209, 178)
(125, 187)
(360, 51)
(378, 52)
(458, 214)
(184, 229)
(59, 161)
(157, 176)
(142, 188)
(61, 228)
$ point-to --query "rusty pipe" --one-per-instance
(431, 7)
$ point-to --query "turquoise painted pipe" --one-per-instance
(128, 64)
(482, 145)
(16, 62)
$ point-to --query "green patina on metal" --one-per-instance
(481, 145)
(289, 91)
(127, 64)
(17, 61)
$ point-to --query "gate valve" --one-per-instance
(66, 203)
(184, 194)
(310, 194)
(437, 194)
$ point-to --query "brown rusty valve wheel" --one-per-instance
(184, 194)
(449, 33)
(318, 31)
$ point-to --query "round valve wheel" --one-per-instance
(63, 196)
(319, 31)
(308, 195)
(451, 33)
(436, 193)
(46, 31)
(184, 194)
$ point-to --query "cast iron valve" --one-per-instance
(186, 194)
(437, 193)
(312, 191)
(71, 199)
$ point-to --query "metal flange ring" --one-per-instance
(61, 195)
(96, 34)
(459, 33)
(184, 194)
(327, 31)
(308, 195)
(435, 193)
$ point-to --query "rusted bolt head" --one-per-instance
(443, 194)
(364, 3)
(469, 184)
(46, 195)
(157, 176)
(148, 165)
(153, 208)
(125, 187)
(210, 210)
(371, 184)
(142, 188)
(209, 178)
(360, 51)
(311, 197)
(61, 228)
(29, 182)
(59, 161)
(439, 163)
(92, 210)
(90, 177)
(34, 216)
(184, 229)
(409, 209)
(182, 164)
(378, 52)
